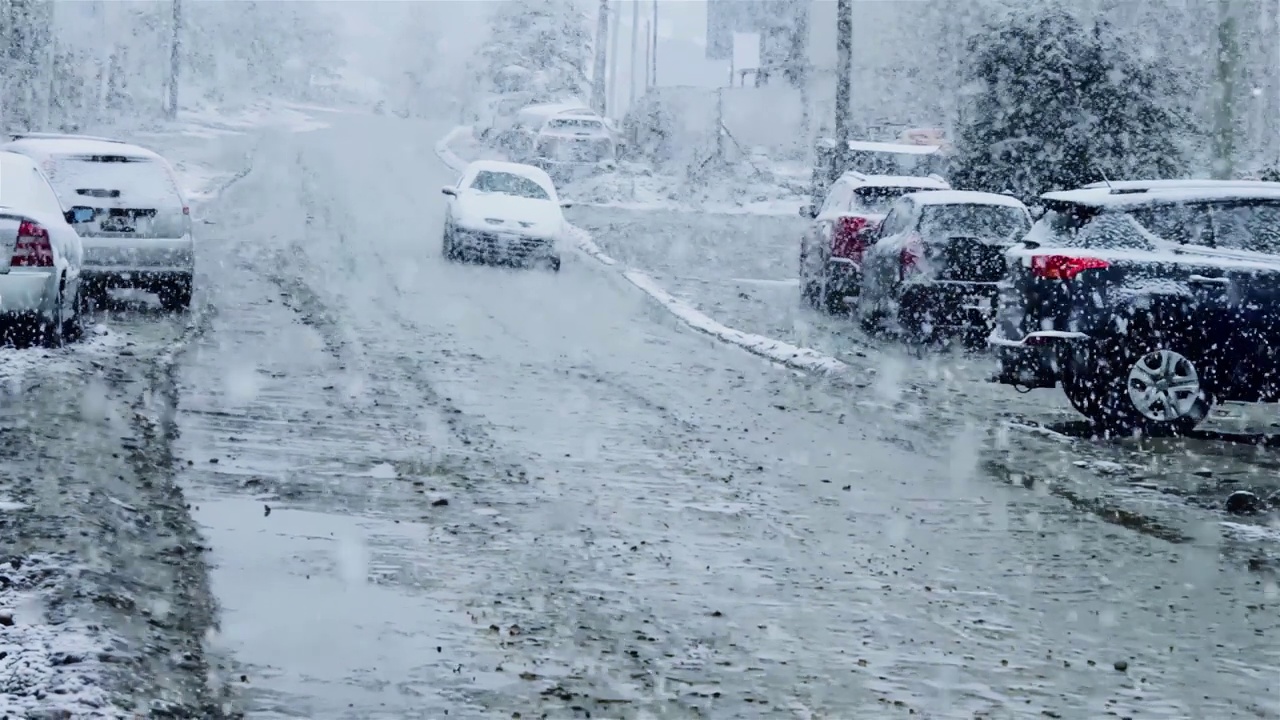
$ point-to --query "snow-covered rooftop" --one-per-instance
(912, 181)
(1175, 184)
(964, 197)
(1104, 197)
(71, 145)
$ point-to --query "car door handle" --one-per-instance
(1205, 280)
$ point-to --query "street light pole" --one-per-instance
(175, 59)
(844, 73)
(635, 49)
(654, 67)
(612, 102)
(601, 61)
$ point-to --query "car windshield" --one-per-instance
(877, 199)
(508, 184)
(80, 180)
(993, 221)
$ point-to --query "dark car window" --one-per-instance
(1084, 227)
(1183, 223)
(989, 221)
(508, 184)
(1251, 226)
(877, 199)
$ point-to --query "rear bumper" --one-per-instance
(1035, 360)
(118, 277)
(951, 304)
(117, 256)
(28, 292)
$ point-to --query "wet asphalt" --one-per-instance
(422, 488)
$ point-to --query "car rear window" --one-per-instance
(878, 199)
(988, 221)
(508, 184)
(1084, 227)
(81, 179)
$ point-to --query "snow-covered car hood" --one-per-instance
(508, 213)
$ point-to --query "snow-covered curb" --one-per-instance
(780, 352)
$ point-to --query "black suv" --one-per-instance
(1148, 301)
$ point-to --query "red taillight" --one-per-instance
(1064, 267)
(33, 248)
(848, 241)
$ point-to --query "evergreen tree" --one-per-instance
(1060, 106)
(550, 38)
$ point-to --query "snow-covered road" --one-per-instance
(430, 487)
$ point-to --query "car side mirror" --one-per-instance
(566, 205)
(80, 214)
(449, 190)
(808, 211)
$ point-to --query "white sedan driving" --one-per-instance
(503, 212)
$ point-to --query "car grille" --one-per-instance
(517, 246)
(972, 260)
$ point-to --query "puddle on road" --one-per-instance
(336, 609)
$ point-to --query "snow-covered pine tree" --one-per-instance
(550, 38)
(1061, 105)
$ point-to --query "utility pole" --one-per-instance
(175, 59)
(634, 65)
(601, 64)
(647, 47)
(1228, 71)
(614, 97)
(844, 74)
(653, 68)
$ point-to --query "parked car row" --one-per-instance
(568, 140)
(80, 215)
(1147, 301)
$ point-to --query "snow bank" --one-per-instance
(47, 669)
(769, 189)
(785, 354)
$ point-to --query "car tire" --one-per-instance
(95, 296)
(829, 302)
(175, 295)
(73, 327)
(1151, 387)
(49, 333)
(447, 248)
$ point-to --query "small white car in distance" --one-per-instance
(503, 212)
(41, 257)
(139, 232)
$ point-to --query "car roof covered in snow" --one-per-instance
(1104, 197)
(51, 146)
(886, 147)
(1176, 184)
(911, 181)
(526, 171)
(964, 197)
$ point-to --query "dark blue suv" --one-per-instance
(1147, 301)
